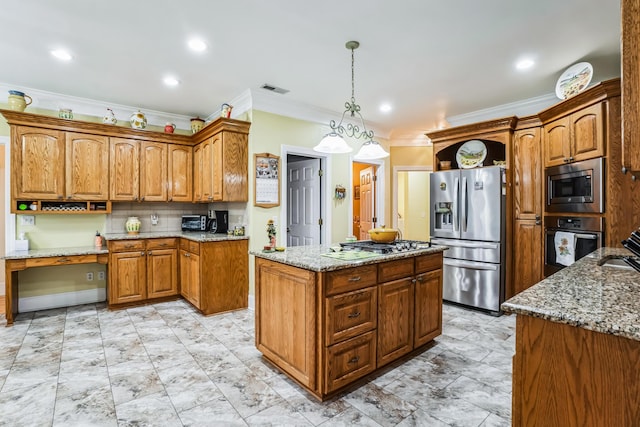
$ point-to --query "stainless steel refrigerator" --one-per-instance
(468, 216)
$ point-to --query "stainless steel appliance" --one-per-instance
(385, 248)
(219, 222)
(588, 232)
(194, 223)
(467, 214)
(576, 187)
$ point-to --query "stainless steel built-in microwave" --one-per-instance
(576, 187)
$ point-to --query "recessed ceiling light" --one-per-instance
(61, 54)
(385, 108)
(525, 64)
(197, 45)
(171, 81)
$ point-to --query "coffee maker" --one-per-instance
(219, 222)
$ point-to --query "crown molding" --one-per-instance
(91, 107)
(522, 108)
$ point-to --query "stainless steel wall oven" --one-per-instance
(587, 232)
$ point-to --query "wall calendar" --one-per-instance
(266, 189)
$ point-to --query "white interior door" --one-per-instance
(303, 204)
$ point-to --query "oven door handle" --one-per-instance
(586, 236)
(470, 264)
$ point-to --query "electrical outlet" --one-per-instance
(27, 220)
(89, 276)
(100, 275)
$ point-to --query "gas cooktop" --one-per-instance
(385, 248)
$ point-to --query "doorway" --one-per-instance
(304, 200)
(411, 212)
(367, 208)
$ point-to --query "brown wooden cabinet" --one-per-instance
(221, 167)
(180, 173)
(216, 274)
(578, 136)
(124, 160)
(631, 85)
(56, 165)
(153, 172)
(528, 193)
(140, 270)
(332, 328)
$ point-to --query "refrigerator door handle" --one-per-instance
(470, 264)
(466, 244)
(463, 207)
(454, 207)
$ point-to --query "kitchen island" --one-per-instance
(328, 322)
(577, 360)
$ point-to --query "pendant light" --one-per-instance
(334, 143)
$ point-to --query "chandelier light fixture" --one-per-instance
(334, 143)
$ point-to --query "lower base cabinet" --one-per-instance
(326, 330)
(142, 269)
(214, 276)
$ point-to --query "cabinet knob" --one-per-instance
(150, 253)
(69, 197)
(565, 160)
(571, 159)
(624, 170)
(142, 199)
(353, 315)
(141, 253)
(60, 197)
(170, 199)
(633, 177)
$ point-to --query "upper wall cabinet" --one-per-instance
(631, 85)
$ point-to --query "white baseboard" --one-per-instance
(64, 299)
(252, 302)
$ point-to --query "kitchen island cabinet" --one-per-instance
(577, 358)
(327, 323)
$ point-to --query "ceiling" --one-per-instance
(430, 60)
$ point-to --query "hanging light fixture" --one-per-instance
(334, 143)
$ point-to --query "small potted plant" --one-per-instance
(271, 233)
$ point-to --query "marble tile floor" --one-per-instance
(166, 365)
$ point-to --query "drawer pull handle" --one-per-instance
(354, 359)
(354, 279)
(65, 259)
(129, 246)
(353, 315)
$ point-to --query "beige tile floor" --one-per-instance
(166, 365)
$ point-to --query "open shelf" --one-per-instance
(31, 207)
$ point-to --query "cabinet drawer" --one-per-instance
(126, 245)
(351, 314)
(428, 262)
(350, 279)
(190, 246)
(350, 360)
(161, 243)
(393, 270)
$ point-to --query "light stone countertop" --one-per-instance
(310, 257)
(56, 252)
(199, 236)
(598, 298)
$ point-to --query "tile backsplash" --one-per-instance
(169, 214)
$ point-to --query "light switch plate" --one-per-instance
(27, 220)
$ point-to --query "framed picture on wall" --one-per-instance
(356, 192)
(266, 189)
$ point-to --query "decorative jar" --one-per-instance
(65, 113)
(109, 118)
(17, 100)
(169, 127)
(225, 111)
(196, 124)
(138, 120)
(132, 225)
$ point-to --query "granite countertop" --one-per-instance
(598, 298)
(311, 258)
(55, 252)
(200, 236)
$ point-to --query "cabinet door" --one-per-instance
(124, 160)
(153, 172)
(528, 185)
(38, 157)
(557, 142)
(185, 275)
(197, 173)
(195, 288)
(287, 336)
(217, 164)
(631, 84)
(225, 282)
(587, 135)
(180, 175)
(162, 273)
(127, 277)
(428, 307)
(87, 167)
(235, 167)
(395, 320)
(527, 255)
(207, 171)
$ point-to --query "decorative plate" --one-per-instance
(574, 80)
(471, 154)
